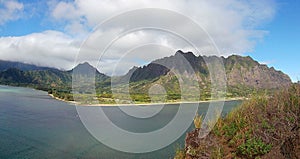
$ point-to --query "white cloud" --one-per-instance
(231, 23)
(49, 48)
(63, 9)
(10, 10)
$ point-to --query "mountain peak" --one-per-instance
(184, 53)
(179, 52)
(84, 64)
(85, 68)
(188, 55)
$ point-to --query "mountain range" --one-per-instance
(244, 75)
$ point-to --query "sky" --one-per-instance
(52, 33)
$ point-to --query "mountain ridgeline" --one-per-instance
(244, 75)
(240, 71)
(4, 65)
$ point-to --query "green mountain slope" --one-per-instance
(244, 76)
(4, 65)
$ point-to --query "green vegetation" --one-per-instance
(180, 154)
(245, 77)
(58, 83)
(264, 126)
(253, 147)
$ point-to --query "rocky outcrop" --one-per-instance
(240, 71)
(245, 71)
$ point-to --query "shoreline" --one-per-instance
(146, 104)
(132, 104)
(59, 99)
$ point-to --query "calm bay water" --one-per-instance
(33, 125)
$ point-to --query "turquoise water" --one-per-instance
(33, 125)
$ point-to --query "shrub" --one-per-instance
(253, 148)
(230, 130)
(179, 154)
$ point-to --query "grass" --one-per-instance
(198, 121)
(258, 128)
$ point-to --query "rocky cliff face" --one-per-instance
(240, 71)
(245, 71)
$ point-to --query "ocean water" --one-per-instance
(33, 125)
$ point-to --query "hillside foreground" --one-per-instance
(265, 127)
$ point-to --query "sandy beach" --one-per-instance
(146, 104)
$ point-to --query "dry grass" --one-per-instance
(198, 121)
(262, 127)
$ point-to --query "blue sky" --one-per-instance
(50, 32)
(281, 47)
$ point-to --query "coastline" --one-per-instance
(146, 104)
(56, 98)
(133, 104)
